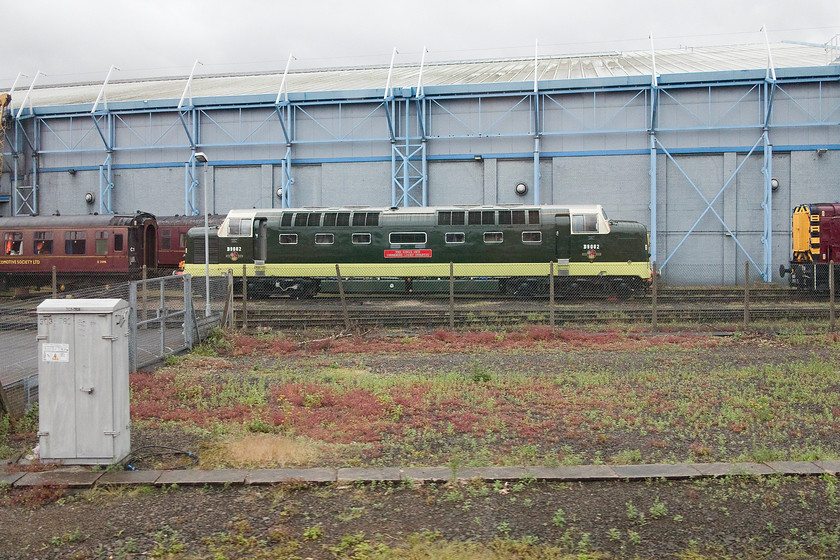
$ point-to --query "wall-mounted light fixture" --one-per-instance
(89, 197)
(71, 171)
(774, 184)
(521, 189)
(821, 151)
(477, 157)
(280, 192)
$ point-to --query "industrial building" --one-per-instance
(709, 147)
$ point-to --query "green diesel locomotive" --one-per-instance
(294, 251)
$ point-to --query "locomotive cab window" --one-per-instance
(361, 239)
(239, 227)
(101, 243)
(454, 237)
(584, 223)
(74, 242)
(43, 242)
(13, 242)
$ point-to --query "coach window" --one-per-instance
(584, 223)
(101, 242)
(361, 239)
(14, 242)
(454, 237)
(43, 242)
(288, 239)
(531, 237)
(74, 242)
(493, 237)
(118, 241)
(324, 239)
(165, 238)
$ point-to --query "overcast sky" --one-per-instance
(74, 41)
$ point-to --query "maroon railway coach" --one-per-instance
(94, 247)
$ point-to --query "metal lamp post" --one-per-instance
(200, 157)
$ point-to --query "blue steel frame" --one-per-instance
(409, 120)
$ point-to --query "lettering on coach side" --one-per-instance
(20, 261)
(408, 253)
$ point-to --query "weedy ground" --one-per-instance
(533, 396)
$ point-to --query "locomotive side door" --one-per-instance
(260, 240)
(562, 238)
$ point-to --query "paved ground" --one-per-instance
(80, 477)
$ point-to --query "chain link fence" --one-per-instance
(164, 321)
(683, 296)
(173, 313)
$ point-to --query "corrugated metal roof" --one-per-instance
(613, 64)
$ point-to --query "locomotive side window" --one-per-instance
(74, 242)
(482, 217)
(447, 217)
(411, 238)
(531, 237)
(365, 218)
(454, 237)
(101, 242)
(361, 239)
(324, 238)
(584, 223)
(300, 218)
(288, 239)
(13, 242)
(118, 241)
(43, 242)
(494, 237)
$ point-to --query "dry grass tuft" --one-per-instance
(261, 451)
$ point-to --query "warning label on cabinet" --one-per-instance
(55, 352)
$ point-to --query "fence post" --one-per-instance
(143, 297)
(343, 300)
(5, 403)
(189, 317)
(831, 320)
(551, 295)
(451, 296)
(227, 311)
(746, 294)
(132, 326)
(54, 283)
(244, 297)
(654, 276)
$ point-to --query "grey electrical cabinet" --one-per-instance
(83, 381)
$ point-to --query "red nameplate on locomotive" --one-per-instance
(408, 253)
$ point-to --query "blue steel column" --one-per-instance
(536, 144)
(654, 231)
